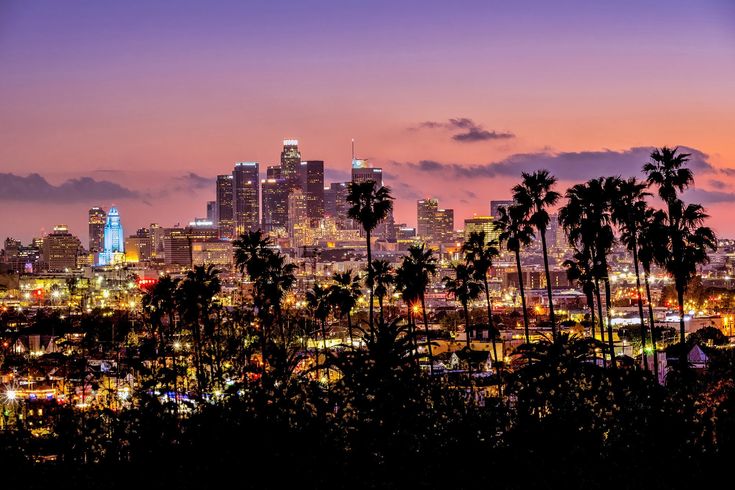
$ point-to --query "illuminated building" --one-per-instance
(481, 223)
(290, 160)
(246, 196)
(297, 216)
(314, 189)
(335, 203)
(60, 249)
(212, 211)
(225, 207)
(217, 252)
(113, 250)
(444, 225)
(275, 203)
(426, 210)
(139, 247)
(97, 219)
(176, 247)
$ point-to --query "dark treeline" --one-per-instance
(259, 396)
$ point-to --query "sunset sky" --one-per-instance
(141, 103)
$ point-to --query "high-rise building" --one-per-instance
(60, 249)
(478, 224)
(97, 219)
(225, 206)
(177, 247)
(552, 232)
(290, 160)
(314, 189)
(444, 225)
(138, 247)
(495, 205)
(212, 211)
(426, 210)
(113, 250)
(275, 203)
(246, 195)
(297, 211)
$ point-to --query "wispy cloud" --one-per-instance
(465, 130)
(574, 166)
(34, 187)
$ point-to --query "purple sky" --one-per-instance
(152, 99)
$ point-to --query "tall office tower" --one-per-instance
(552, 232)
(97, 218)
(335, 203)
(225, 206)
(275, 204)
(494, 205)
(246, 197)
(290, 160)
(156, 234)
(314, 189)
(444, 225)
(177, 247)
(426, 210)
(297, 210)
(212, 211)
(113, 250)
(60, 249)
(481, 223)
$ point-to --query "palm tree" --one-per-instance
(318, 300)
(480, 253)
(369, 205)
(628, 212)
(412, 279)
(534, 195)
(382, 277)
(160, 302)
(688, 240)
(344, 294)
(580, 270)
(652, 249)
(465, 288)
(516, 233)
(687, 246)
(587, 221)
(195, 295)
(252, 251)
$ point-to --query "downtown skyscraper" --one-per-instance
(97, 218)
(246, 197)
(225, 206)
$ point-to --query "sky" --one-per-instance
(141, 104)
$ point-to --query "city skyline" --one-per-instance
(140, 107)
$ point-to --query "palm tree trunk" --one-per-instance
(653, 326)
(591, 306)
(552, 318)
(523, 296)
(682, 330)
(324, 343)
(428, 338)
(467, 336)
(599, 315)
(349, 330)
(490, 327)
(370, 281)
(608, 315)
(640, 305)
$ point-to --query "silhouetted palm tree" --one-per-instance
(688, 240)
(586, 219)
(344, 294)
(534, 195)
(688, 243)
(194, 298)
(318, 300)
(380, 281)
(516, 233)
(480, 253)
(412, 279)
(369, 206)
(629, 209)
(465, 288)
(579, 270)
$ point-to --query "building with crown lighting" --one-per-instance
(113, 249)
